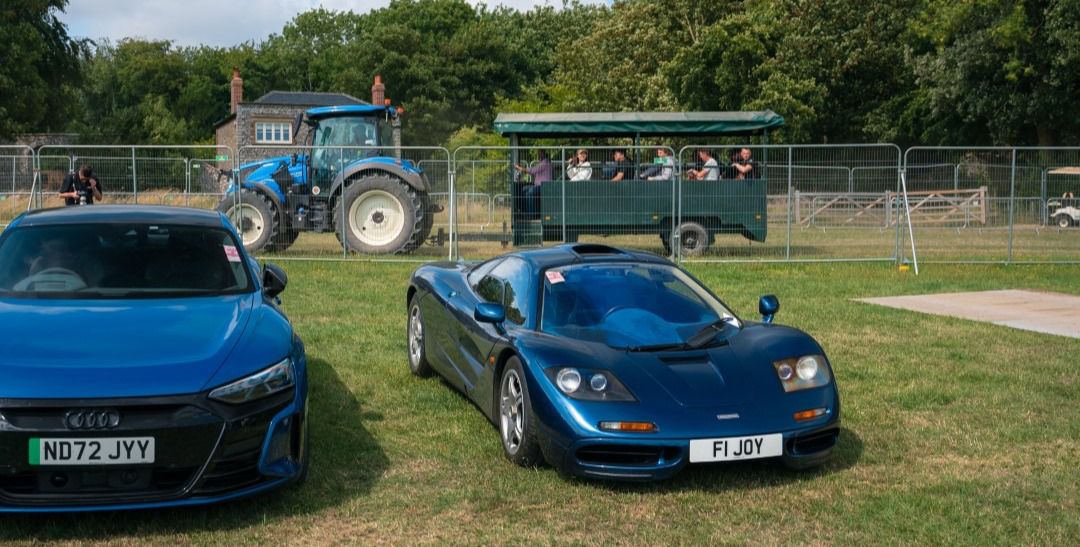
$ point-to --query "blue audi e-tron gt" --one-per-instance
(144, 362)
(615, 364)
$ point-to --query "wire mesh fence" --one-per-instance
(187, 176)
(343, 201)
(971, 204)
(17, 177)
(704, 202)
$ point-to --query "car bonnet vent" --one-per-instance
(596, 249)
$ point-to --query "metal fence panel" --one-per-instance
(993, 204)
(790, 202)
(359, 202)
(543, 195)
(17, 177)
(188, 176)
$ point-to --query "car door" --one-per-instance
(507, 284)
(453, 303)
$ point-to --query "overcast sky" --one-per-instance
(212, 22)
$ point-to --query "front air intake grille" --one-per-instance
(614, 454)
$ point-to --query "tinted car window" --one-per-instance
(120, 261)
(481, 270)
(516, 295)
(490, 289)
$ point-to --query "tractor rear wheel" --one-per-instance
(381, 215)
(254, 218)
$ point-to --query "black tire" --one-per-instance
(693, 239)
(259, 225)
(285, 239)
(418, 362)
(526, 450)
(410, 206)
(429, 218)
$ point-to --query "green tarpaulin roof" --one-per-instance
(611, 124)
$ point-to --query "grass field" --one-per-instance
(954, 432)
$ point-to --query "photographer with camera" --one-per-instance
(80, 187)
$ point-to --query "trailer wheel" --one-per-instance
(254, 218)
(693, 239)
(1063, 221)
(381, 215)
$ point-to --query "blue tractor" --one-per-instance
(378, 202)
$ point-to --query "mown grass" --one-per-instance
(954, 432)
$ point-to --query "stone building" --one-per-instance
(270, 119)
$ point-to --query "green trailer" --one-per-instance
(691, 212)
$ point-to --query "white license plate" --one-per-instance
(96, 451)
(736, 448)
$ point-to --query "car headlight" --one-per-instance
(264, 383)
(803, 372)
(588, 385)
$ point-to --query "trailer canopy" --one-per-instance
(635, 124)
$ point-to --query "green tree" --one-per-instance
(39, 67)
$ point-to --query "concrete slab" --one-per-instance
(1046, 312)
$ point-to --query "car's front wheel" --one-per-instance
(418, 362)
(517, 424)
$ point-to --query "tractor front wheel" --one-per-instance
(381, 215)
(254, 218)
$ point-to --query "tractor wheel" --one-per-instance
(1063, 221)
(381, 215)
(254, 218)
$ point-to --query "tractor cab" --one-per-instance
(341, 135)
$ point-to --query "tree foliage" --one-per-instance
(905, 71)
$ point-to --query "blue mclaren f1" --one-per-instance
(613, 364)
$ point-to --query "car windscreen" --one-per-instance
(121, 260)
(627, 305)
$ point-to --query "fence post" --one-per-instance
(134, 177)
(1044, 198)
(1012, 203)
(787, 244)
(676, 213)
(187, 182)
(451, 202)
(907, 214)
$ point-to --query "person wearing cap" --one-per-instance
(81, 187)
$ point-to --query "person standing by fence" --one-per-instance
(81, 187)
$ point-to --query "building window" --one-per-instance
(273, 133)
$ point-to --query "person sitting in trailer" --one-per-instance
(744, 165)
(710, 170)
(663, 167)
(621, 169)
(578, 167)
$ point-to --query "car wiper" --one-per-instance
(707, 333)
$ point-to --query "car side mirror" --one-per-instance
(274, 279)
(489, 312)
(768, 306)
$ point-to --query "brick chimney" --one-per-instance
(378, 92)
(237, 94)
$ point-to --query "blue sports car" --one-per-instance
(144, 363)
(614, 364)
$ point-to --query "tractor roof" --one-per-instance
(348, 110)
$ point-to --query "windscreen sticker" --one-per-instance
(231, 253)
(554, 277)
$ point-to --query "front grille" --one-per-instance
(184, 436)
(614, 454)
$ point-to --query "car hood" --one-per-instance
(728, 374)
(110, 348)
